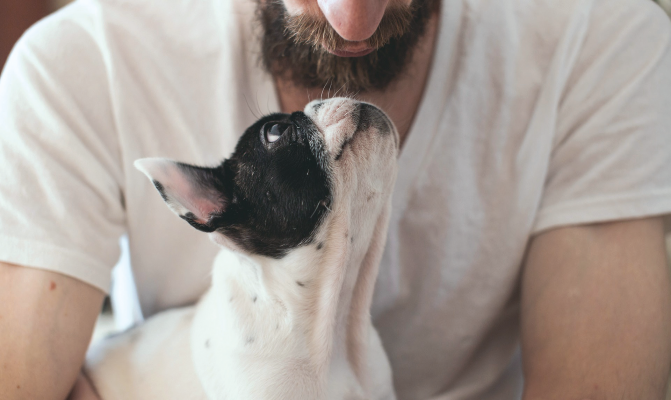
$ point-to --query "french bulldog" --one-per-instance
(300, 211)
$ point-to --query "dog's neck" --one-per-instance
(313, 305)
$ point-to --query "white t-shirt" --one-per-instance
(536, 114)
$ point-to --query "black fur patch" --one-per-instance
(271, 191)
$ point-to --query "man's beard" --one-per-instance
(293, 48)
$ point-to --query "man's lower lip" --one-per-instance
(342, 53)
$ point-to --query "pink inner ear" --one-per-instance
(183, 196)
(201, 203)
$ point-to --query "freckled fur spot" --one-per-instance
(301, 284)
(254, 299)
(320, 246)
(207, 344)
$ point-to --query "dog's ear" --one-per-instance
(195, 194)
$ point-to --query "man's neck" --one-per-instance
(400, 100)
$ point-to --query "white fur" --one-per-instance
(295, 328)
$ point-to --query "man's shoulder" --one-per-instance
(551, 18)
(538, 33)
(624, 20)
(138, 26)
(529, 31)
(600, 17)
(541, 11)
(69, 29)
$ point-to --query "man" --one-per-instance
(534, 173)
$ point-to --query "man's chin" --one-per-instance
(355, 67)
(349, 53)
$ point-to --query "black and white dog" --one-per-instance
(301, 210)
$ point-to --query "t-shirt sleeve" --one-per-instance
(61, 206)
(611, 158)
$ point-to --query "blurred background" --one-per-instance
(18, 15)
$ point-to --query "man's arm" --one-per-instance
(596, 313)
(46, 322)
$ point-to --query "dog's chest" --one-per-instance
(244, 347)
(253, 338)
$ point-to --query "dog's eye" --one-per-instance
(274, 131)
(273, 134)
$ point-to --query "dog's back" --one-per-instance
(151, 361)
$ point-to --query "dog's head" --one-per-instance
(287, 174)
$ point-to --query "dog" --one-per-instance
(301, 211)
